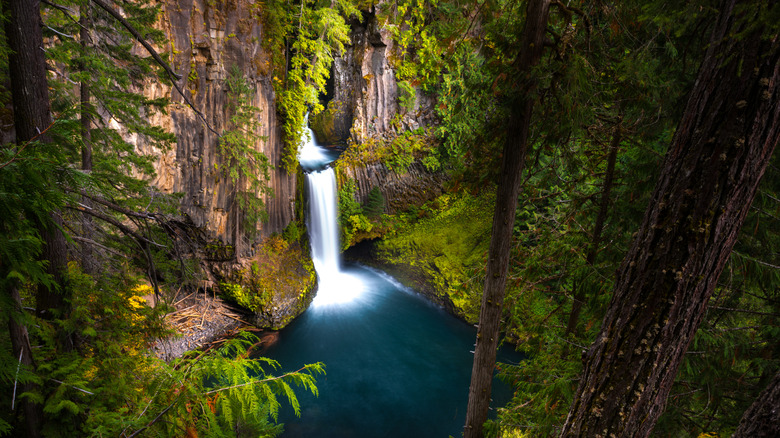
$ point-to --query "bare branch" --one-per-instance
(173, 75)
(122, 227)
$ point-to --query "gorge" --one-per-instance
(396, 364)
(590, 185)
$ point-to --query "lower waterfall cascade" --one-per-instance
(396, 364)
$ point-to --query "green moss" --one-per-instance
(447, 242)
(397, 153)
(192, 78)
(276, 284)
(407, 96)
(355, 224)
(245, 298)
(324, 124)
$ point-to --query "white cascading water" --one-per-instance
(334, 286)
(323, 227)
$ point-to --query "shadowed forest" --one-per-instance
(589, 184)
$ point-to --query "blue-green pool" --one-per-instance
(397, 365)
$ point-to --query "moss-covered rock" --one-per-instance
(439, 250)
(275, 285)
(328, 125)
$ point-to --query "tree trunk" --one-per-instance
(512, 162)
(727, 134)
(21, 349)
(32, 118)
(762, 419)
(88, 262)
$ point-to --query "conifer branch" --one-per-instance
(138, 37)
(122, 227)
(254, 382)
(21, 148)
(67, 12)
(99, 245)
(74, 387)
(172, 75)
(156, 419)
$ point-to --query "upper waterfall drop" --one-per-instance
(334, 286)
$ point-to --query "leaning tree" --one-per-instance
(728, 131)
(513, 158)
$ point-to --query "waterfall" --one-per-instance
(334, 286)
(323, 221)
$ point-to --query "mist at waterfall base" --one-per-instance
(397, 365)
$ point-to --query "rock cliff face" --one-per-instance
(207, 40)
(364, 97)
(364, 106)
(415, 187)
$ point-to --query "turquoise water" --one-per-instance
(397, 365)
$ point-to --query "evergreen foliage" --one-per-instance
(446, 242)
(245, 166)
(375, 203)
(310, 35)
(354, 223)
(612, 69)
(615, 76)
(92, 372)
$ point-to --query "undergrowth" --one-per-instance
(447, 240)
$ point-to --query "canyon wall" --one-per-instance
(363, 99)
(363, 106)
(207, 40)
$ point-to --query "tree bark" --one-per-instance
(20, 346)
(30, 98)
(762, 419)
(515, 148)
(32, 119)
(88, 262)
(729, 129)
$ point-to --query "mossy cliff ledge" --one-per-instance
(438, 249)
(274, 286)
(401, 191)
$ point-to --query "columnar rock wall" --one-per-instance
(207, 40)
(414, 187)
(363, 105)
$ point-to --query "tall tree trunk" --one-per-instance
(20, 345)
(762, 419)
(32, 118)
(88, 262)
(727, 134)
(30, 96)
(512, 162)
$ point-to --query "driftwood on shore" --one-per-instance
(200, 320)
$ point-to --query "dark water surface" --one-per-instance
(397, 366)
